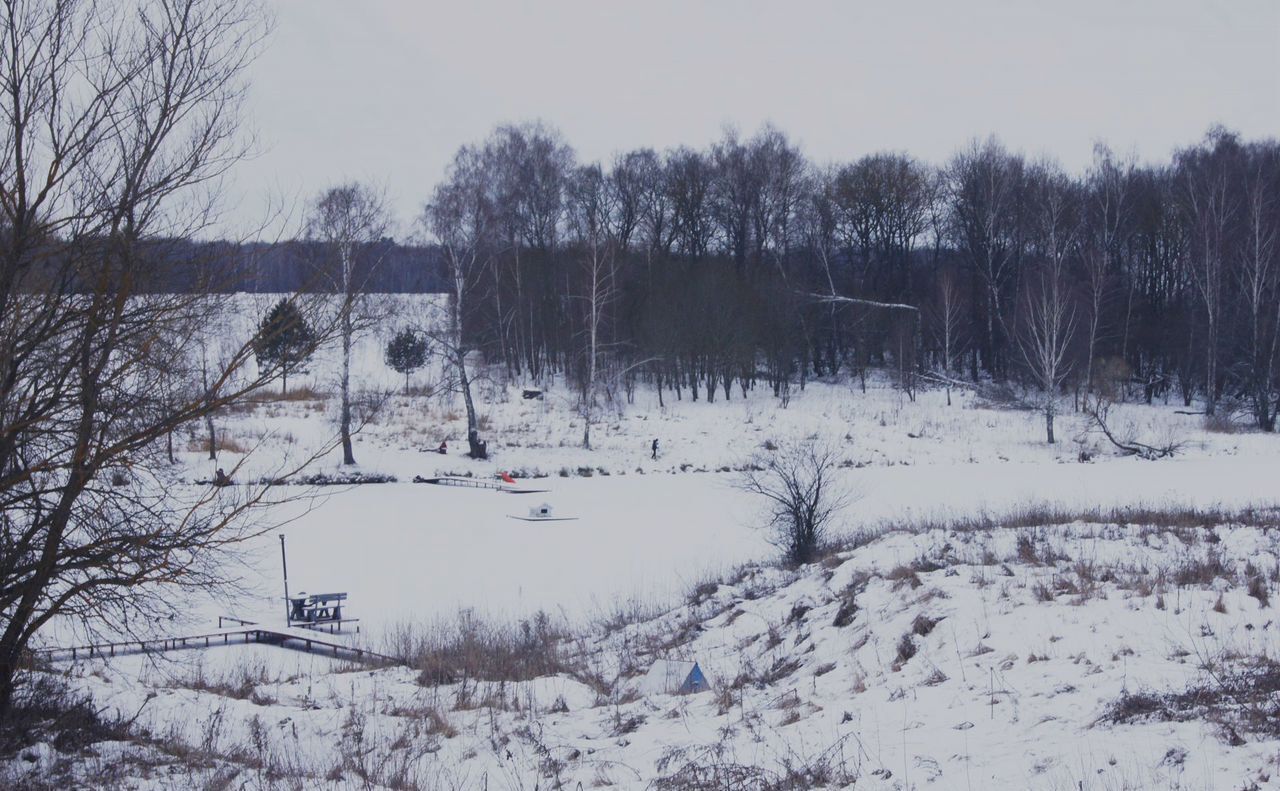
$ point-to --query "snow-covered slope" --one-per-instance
(969, 656)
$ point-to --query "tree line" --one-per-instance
(705, 271)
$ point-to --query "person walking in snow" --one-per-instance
(655, 450)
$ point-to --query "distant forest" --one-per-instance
(703, 271)
(383, 267)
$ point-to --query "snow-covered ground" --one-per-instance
(1005, 692)
(941, 659)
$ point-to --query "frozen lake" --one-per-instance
(411, 551)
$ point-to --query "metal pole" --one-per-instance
(284, 564)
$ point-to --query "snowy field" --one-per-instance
(975, 707)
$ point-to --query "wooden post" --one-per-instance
(284, 566)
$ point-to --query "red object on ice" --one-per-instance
(506, 477)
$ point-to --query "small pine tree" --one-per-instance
(406, 353)
(285, 340)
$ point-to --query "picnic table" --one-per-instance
(316, 608)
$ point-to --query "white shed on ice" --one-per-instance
(673, 677)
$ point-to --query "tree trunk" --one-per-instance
(348, 455)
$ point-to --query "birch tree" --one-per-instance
(347, 220)
(1259, 280)
(590, 209)
(461, 218)
(1045, 340)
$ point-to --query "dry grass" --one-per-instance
(470, 648)
(1247, 697)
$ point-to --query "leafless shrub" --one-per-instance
(903, 576)
(1257, 583)
(906, 649)
(848, 608)
(923, 625)
(799, 484)
(1043, 593)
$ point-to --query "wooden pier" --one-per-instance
(255, 634)
(477, 483)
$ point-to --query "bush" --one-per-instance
(906, 648)
(798, 484)
(44, 709)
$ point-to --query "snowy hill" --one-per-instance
(1048, 652)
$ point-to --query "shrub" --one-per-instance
(906, 648)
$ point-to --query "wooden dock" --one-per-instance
(476, 483)
(293, 642)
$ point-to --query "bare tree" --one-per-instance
(1259, 281)
(348, 221)
(117, 122)
(1045, 339)
(947, 321)
(461, 217)
(1106, 216)
(984, 192)
(799, 482)
(590, 210)
(1210, 205)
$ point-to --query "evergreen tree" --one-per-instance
(284, 340)
(406, 353)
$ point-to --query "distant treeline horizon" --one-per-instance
(699, 269)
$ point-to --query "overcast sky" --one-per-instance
(386, 91)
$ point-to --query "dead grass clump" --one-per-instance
(297, 393)
(45, 709)
(847, 610)
(904, 576)
(923, 625)
(630, 723)
(1043, 593)
(1203, 571)
(906, 649)
(1248, 699)
(240, 682)
(1026, 547)
(702, 592)
(1257, 584)
(781, 668)
(935, 678)
(470, 648)
(708, 768)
